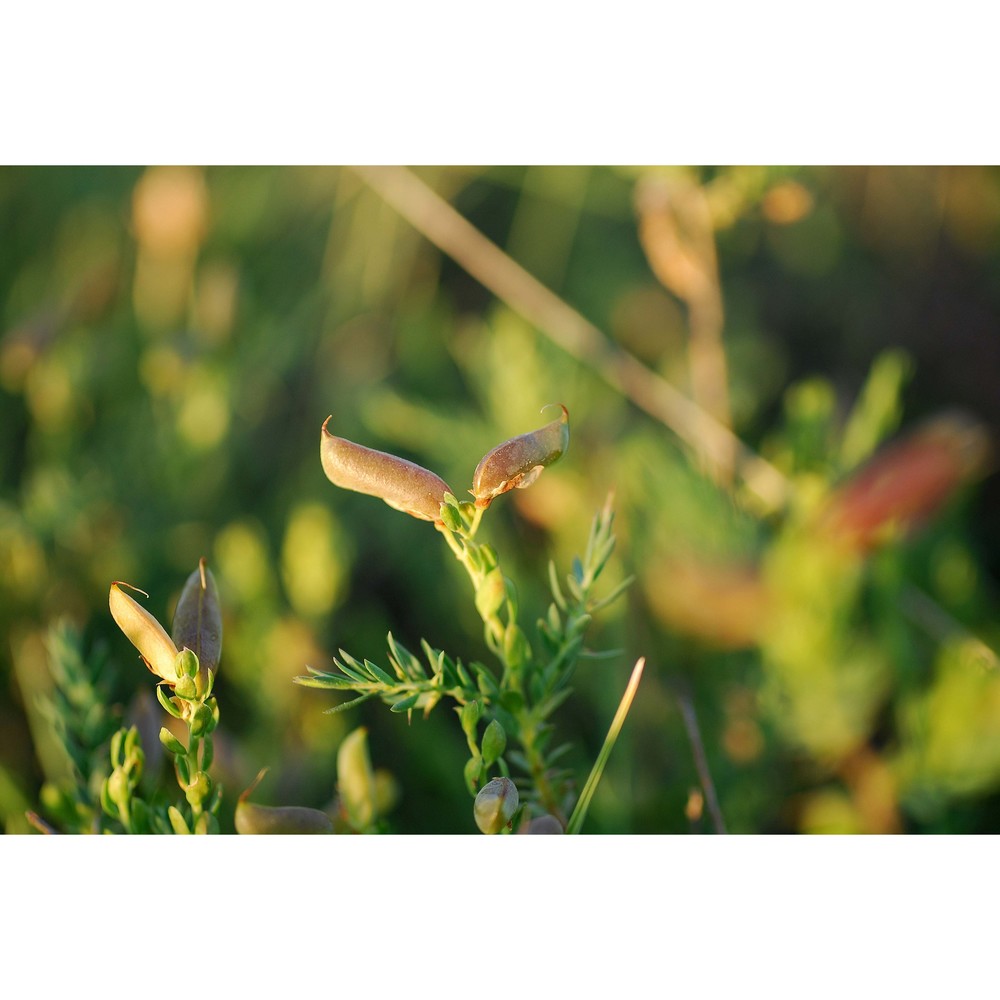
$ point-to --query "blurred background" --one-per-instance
(174, 337)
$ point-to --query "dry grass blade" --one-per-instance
(456, 236)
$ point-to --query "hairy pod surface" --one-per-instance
(518, 462)
(198, 619)
(403, 485)
(145, 633)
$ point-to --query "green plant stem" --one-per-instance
(527, 735)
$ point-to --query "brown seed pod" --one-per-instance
(906, 483)
(198, 618)
(403, 485)
(517, 463)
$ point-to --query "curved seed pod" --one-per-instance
(907, 482)
(144, 632)
(251, 818)
(198, 618)
(517, 463)
(403, 485)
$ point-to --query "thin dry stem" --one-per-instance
(454, 235)
(701, 762)
(678, 237)
(451, 233)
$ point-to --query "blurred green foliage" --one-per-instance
(173, 338)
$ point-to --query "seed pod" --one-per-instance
(144, 632)
(403, 485)
(198, 618)
(544, 824)
(251, 818)
(906, 483)
(517, 463)
(495, 805)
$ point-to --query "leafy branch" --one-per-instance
(515, 700)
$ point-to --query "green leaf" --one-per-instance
(177, 821)
(351, 667)
(405, 704)
(379, 674)
(409, 663)
(329, 681)
(350, 704)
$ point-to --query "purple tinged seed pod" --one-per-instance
(403, 485)
(495, 805)
(198, 619)
(517, 463)
(544, 824)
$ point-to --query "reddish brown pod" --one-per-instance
(518, 462)
(906, 483)
(403, 485)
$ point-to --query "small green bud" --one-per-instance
(133, 745)
(118, 787)
(474, 771)
(469, 717)
(171, 742)
(495, 805)
(401, 484)
(494, 742)
(517, 463)
(186, 688)
(199, 789)
(203, 721)
(186, 664)
(117, 745)
(450, 517)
